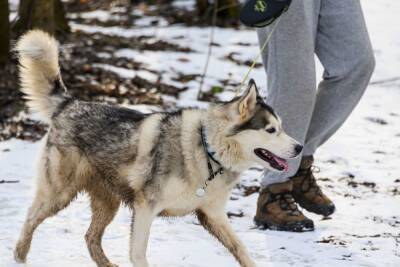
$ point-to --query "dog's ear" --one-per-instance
(248, 101)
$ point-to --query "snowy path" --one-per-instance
(362, 163)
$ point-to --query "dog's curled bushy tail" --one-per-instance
(39, 72)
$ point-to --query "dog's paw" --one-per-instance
(111, 265)
(19, 257)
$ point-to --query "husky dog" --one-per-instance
(160, 164)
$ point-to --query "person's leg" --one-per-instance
(290, 67)
(344, 48)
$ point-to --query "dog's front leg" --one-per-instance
(142, 219)
(217, 223)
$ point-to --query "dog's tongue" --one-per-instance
(282, 162)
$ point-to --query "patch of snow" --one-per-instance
(187, 4)
(13, 4)
(364, 227)
(126, 73)
(101, 15)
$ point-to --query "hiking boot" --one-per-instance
(306, 191)
(276, 210)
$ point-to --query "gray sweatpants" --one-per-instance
(335, 31)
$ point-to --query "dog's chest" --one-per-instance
(181, 199)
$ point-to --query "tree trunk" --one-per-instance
(4, 31)
(61, 21)
(228, 10)
(202, 6)
(47, 15)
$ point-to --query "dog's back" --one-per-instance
(89, 139)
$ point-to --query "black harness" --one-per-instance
(209, 156)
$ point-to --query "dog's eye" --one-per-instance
(271, 130)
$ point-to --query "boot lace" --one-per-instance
(286, 203)
(309, 183)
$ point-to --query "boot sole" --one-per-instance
(320, 210)
(292, 227)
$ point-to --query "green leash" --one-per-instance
(258, 56)
(252, 64)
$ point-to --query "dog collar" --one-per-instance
(210, 152)
(200, 192)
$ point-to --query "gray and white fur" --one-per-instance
(153, 163)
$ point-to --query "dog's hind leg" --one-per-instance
(45, 204)
(104, 207)
(56, 188)
(142, 219)
(216, 222)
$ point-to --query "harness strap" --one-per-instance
(209, 155)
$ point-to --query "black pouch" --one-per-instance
(260, 13)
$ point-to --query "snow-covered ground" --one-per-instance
(360, 170)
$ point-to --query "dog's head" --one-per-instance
(255, 131)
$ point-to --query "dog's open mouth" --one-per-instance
(274, 161)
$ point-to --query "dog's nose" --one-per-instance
(298, 149)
